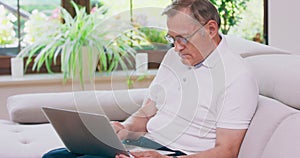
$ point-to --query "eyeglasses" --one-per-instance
(181, 40)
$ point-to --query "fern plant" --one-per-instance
(98, 33)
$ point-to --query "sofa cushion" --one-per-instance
(248, 48)
(278, 77)
(27, 141)
(117, 104)
(284, 141)
(266, 131)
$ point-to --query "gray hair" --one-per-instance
(201, 10)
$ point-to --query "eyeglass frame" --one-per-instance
(184, 40)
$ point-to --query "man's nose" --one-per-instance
(178, 47)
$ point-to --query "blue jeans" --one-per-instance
(141, 142)
(64, 153)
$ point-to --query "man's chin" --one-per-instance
(186, 62)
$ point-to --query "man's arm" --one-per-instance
(228, 142)
(135, 125)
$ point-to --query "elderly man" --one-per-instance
(203, 97)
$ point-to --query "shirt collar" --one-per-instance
(213, 58)
(198, 65)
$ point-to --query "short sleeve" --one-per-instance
(239, 103)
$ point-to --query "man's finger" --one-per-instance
(148, 154)
(122, 134)
(121, 156)
(117, 126)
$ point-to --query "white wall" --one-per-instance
(284, 24)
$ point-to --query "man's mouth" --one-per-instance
(184, 56)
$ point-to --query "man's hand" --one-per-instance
(135, 126)
(120, 130)
(141, 154)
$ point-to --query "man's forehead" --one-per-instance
(181, 23)
(184, 15)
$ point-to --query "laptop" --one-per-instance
(88, 133)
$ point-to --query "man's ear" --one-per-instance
(212, 28)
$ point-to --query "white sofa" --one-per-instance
(273, 132)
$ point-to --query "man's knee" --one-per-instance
(59, 153)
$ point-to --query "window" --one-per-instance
(9, 48)
(253, 22)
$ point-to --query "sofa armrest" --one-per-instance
(117, 104)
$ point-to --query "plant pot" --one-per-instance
(141, 63)
(17, 67)
(9, 50)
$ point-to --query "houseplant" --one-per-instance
(230, 12)
(101, 36)
(155, 38)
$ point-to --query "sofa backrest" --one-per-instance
(246, 48)
(278, 77)
(274, 130)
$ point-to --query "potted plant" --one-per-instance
(230, 12)
(93, 36)
(154, 44)
(156, 38)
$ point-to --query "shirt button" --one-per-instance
(184, 79)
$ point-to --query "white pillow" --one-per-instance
(278, 77)
(117, 104)
(248, 48)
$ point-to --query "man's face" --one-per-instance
(197, 47)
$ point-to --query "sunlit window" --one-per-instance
(251, 25)
(144, 14)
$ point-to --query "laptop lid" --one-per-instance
(85, 133)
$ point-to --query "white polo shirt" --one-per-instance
(193, 102)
